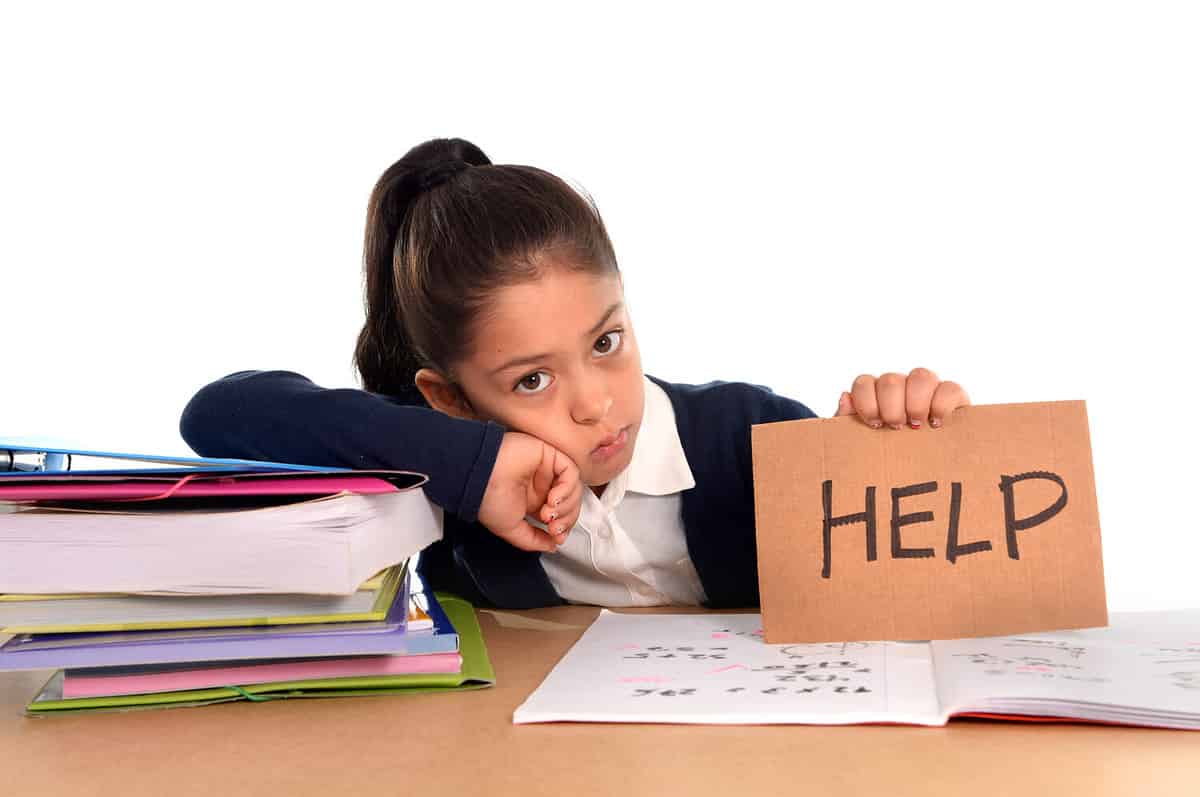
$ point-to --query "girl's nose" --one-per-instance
(592, 403)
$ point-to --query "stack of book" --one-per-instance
(199, 581)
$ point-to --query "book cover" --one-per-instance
(42, 614)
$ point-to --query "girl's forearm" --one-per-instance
(284, 417)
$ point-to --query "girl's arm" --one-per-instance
(284, 417)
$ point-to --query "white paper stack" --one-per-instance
(326, 545)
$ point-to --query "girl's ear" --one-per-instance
(443, 396)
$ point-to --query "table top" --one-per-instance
(461, 742)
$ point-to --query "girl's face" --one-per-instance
(556, 358)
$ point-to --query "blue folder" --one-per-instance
(30, 456)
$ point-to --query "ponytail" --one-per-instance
(385, 355)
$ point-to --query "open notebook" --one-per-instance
(1143, 669)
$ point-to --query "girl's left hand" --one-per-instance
(895, 399)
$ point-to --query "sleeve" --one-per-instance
(284, 417)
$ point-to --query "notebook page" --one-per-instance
(715, 668)
(1006, 673)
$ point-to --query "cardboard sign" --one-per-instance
(987, 526)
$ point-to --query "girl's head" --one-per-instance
(494, 290)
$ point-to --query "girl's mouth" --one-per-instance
(610, 446)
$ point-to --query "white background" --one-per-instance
(1007, 194)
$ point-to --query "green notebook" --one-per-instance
(56, 614)
(476, 673)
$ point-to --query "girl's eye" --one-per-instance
(607, 343)
(533, 383)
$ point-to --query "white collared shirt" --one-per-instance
(628, 547)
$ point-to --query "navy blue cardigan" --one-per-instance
(284, 417)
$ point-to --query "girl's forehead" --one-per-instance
(551, 314)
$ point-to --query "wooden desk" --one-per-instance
(465, 743)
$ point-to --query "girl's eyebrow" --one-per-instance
(612, 308)
(534, 358)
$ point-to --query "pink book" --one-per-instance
(206, 677)
(145, 488)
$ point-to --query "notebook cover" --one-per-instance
(52, 446)
(386, 590)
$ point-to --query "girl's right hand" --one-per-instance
(533, 478)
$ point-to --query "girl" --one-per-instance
(498, 358)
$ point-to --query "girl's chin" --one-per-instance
(602, 475)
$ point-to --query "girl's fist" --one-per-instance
(895, 399)
(531, 478)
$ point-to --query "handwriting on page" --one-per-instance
(716, 668)
(1040, 658)
(1152, 676)
(1060, 659)
(739, 664)
(1169, 659)
(808, 671)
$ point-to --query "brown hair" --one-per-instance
(445, 229)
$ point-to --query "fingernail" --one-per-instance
(914, 423)
(559, 501)
(553, 515)
(875, 424)
(896, 426)
(936, 423)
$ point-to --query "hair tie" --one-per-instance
(439, 174)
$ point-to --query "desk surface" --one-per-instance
(465, 742)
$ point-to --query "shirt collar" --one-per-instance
(658, 466)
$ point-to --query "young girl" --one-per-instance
(498, 358)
